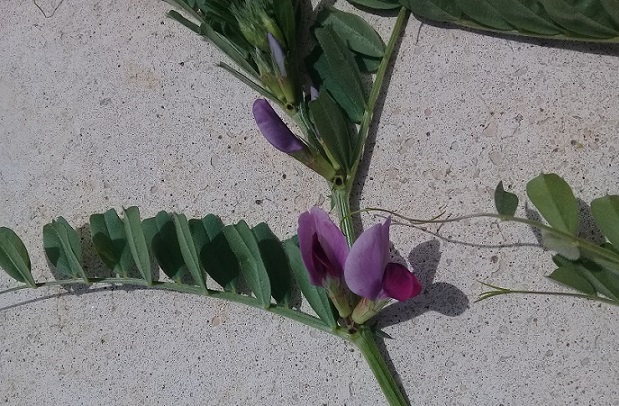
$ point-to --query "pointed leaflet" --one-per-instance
(286, 20)
(568, 276)
(333, 128)
(63, 250)
(605, 212)
(353, 30)
(583, 17)
(244, 246)
(554, 199)
(14, 258)
(343, 69)
(376, 4)
(160, 234)
(315, 296)
(215, 253)
(561, 19)
(188, 249)
(367, 64)
(322, 76)
(527, 16)
(506, 203)
(137, 243)
(110, 241)
(485, 13)
(275, 262)
(604, 281)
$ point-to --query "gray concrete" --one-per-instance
(110, 104)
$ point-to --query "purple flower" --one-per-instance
(369, 273)
(364, 269)
(274, 129)
(323, 246)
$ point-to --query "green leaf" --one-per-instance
(583, 17)
(485, 13)
(609, 261)
(333, 128)
(160, 235)
(506, 203)
(286, 20)
(188, 249)
(342, 69)
(14, 258)
(358, 35)
(315, 296)
(376, 4)
(275, 262)
(62, 248)
(322, 76)
(244, 246)
(555, 201)
(592, 20)
(568, 276)
(604, 281)
(605, 211)
(137, 242)
(527, 16)
(367, 64)
(216, 256)
(110, 241)
(187, 23)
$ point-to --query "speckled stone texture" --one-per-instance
(108, 104)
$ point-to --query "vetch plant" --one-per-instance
(330, 95)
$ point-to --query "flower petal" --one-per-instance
(278, 54)
(367, 260)
(274, 129)
(323, 246)
(399, 283)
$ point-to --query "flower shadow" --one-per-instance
(440, 297)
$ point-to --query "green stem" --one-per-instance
(505, 291)
(341, 200)
(589, 247)
(365, 342)
(292, 314)
(377, 87)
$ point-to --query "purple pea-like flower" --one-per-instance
(369, 274)
(274, 129)
(363, 269)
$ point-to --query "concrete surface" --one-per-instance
(109, 104)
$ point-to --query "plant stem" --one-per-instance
(289, 313)
(341, 200)
(365, 342)
(377, 87)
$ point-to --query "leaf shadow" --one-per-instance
(366, 159)
(596, 48)
(587, 228)
(440, 297)
(93, 266)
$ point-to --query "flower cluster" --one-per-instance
(360, 281)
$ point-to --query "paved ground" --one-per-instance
(109, 104)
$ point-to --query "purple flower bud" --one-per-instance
(274, 129)
(278, 54)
